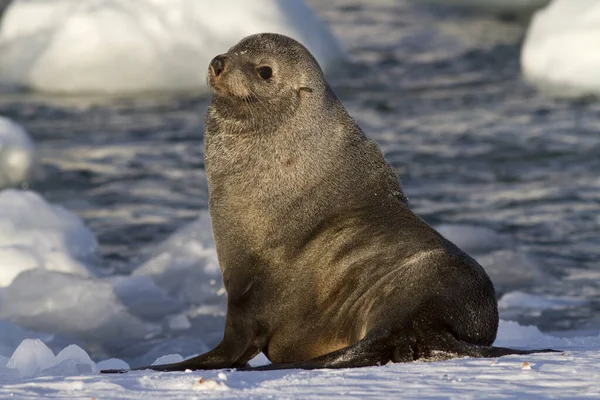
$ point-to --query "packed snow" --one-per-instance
(17, 154)
(79, 46)
(34, 371)
(560, 53)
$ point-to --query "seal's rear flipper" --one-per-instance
(492, 352)
(447, 343)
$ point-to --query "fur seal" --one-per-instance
(324, 263)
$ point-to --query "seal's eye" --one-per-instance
(264, 72)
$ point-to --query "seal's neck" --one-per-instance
(251, 115)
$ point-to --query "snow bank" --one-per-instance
(35, 234)
(560, 53)
(17, 154)
(33, 358)
(104, 46)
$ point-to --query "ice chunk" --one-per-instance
(27, 219)
(78, 357)
(140, 45)
(111, 363)
(31, 357)
(560, 53)
(168, 359)
(186, 265)
(69, 304)
(512, 332)
(143, 297)
(17, 154)
(35, 234)
(259, 360)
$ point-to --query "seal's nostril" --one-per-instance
(218, 64)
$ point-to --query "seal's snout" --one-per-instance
(218, 64)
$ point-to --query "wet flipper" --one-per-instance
(447, 344)
(226, 355)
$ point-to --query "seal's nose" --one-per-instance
(218, 64)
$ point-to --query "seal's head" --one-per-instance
(265, 70)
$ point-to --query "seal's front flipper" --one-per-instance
(492, 352)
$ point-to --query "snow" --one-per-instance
(35, 234)
(103, 46)
(560, 53)
(186, 265)
(77, 356)
(70, 305)
(17, 154)
(572, 374)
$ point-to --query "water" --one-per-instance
(439, 91)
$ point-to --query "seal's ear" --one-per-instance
(305, 89)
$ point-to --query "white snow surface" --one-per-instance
(572, 374)
(17, 154)
(106, 46)
(560, 53)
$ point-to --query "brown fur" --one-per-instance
(324, 263)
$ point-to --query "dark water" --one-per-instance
(441, 93)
